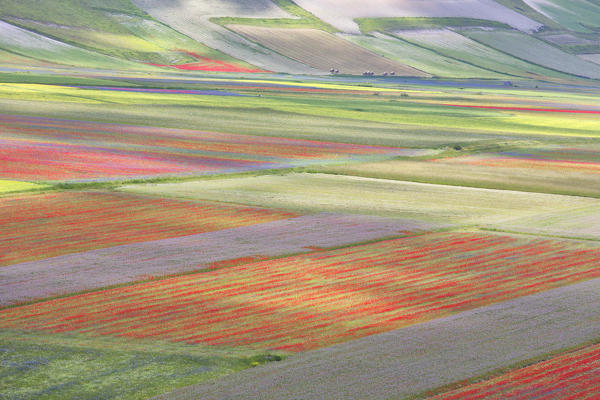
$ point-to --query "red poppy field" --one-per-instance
(313, 300)
(40, 226)
(565, 377)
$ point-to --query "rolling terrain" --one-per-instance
(299, 199)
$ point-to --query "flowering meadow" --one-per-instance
(47, 149)
(569, 376)
(36, 226)
(313, 300)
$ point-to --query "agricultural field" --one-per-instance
(194, 206)
(37, 226)
(455, 45)
(535, 51)
(92, 151)
(577, 15)
(426, 358)
(303, 192)
(192, 18)
(341, 14)
(322, 50)
(339, 294)
(118, 29)
(109, 266)
(26, 43)
(490, 171)
(421, 58)
(18, 186)
(63, 366)
(569, 376)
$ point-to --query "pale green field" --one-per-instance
(328, 193)
(448, 173)
(576, 223)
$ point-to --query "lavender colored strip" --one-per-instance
(167, 91)
(120, 264)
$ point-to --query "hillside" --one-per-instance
(560, 42)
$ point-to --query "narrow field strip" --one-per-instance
(408, 362)
(18, 186)
(34, 227)
(37, 148)
(561, 160)
(550, 110)
(94, 269)
(569, 376)
(314, 300)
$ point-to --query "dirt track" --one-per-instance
(422, 357)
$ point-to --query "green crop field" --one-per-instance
(302, 199)
(321, 192)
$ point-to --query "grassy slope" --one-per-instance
(41, 366)
(118, 28)
(322, 50)
(304, 19)
(577, 15)
(28, 44)
(368, 25)
(462, 48)
(421, 58)
(535, 51)
(523, 8)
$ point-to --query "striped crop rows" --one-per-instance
(34, 148)
(576, 160)
(573, 376)
(46, 225)
(307, 301)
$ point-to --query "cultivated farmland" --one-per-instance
(322, 50)
(85, 150)
(578, 15)
(411, 361)
(569, 376)
(341, 13)
(193, 205)
(581, 223)
(338, 295)
(193, 19)
(454, 45)
(482, 171)
(325, 193)
(27, 43)
(537, 52)
(138, 261)
(17, 186)
(420, 58)
(37, 226)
